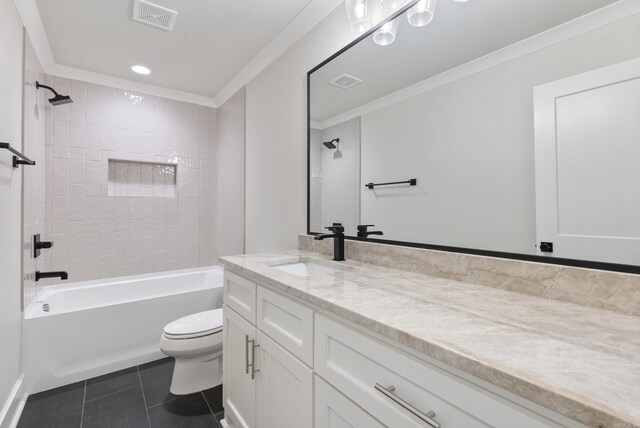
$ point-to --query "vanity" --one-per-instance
(314, 343)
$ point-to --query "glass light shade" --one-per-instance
(386, 34)
(422, 13)
(357, 15)
(393, 4)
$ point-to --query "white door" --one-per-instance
(239, 392)
(587, 154)
(284, 388)
(334, 410)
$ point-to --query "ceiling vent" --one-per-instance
(152, 14)
(345, 81)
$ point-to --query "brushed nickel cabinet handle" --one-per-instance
(425, 417)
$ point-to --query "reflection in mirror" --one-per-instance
(517, 118)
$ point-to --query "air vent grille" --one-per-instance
(345, 81)
(152, 14)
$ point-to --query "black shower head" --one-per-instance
(330, 145)
(57, 99)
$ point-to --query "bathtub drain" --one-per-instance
(45, 307)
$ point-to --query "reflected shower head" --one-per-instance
(329, 144)
(57, 99)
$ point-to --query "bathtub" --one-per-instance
(80, 330)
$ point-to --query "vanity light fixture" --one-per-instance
(140, 69)
(422, 13)
(386, 34)
(393, 4)
(357, 15)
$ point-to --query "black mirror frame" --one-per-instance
(588, 264)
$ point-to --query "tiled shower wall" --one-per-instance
(33, 176)
(102, 236)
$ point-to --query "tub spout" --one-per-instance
(40, 275)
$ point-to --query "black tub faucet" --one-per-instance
(41, 275)
(364, 233)
(338, 240)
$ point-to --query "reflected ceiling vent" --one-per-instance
(345, 81)
(152, 14)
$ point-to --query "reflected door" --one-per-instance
(587, 146)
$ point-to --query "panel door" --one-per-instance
(284, 388)
(587, 147)
(239, 392)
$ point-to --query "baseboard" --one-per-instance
(13, 407)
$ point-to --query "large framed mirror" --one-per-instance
(506, 128)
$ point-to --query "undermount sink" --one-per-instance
(306, 268)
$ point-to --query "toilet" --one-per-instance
(195, 341)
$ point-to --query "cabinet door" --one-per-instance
(334, 410)
(239, 393)
(284, 388)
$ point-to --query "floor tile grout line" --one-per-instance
(113, 393)
(207, 402)
(84, 397)
(144, 398)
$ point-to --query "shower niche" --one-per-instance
(142, 179)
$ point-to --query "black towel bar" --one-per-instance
(411, 182)
(17, 162)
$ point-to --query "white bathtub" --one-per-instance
(96, 327)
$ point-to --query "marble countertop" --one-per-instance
(580, 362)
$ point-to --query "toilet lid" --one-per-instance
(202, 322)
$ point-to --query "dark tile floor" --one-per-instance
(136, 397)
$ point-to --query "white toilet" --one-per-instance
(195, 341)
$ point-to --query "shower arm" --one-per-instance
(40, 85)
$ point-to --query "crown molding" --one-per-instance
(312, 13)
(591, 21)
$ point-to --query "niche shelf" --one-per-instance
(142, 179)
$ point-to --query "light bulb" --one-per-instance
(421, 13)
(357, 15)
(386, 34)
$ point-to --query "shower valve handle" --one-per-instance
(39, 245)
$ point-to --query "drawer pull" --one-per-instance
(425, 417)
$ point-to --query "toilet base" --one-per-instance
(196, 374)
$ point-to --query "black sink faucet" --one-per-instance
(364, 233)
(338, 240)
(42, 275)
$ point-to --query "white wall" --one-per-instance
(230, 136)
(276, 182)
(470, 145)
(11, 60)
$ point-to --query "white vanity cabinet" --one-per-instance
(266, 382)
(287, 365)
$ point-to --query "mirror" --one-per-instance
(516, 120)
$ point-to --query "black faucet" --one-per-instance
(364, 233)
(42, 275)
(338, 240)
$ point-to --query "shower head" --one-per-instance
(57, 99)
(329, 144)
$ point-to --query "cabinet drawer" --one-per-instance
(355, 364)
(240, 295)
(334, 410)
(287, 322)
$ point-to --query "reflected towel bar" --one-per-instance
(412, 182)
(17, 162)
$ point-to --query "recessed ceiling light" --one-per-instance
(140, 69)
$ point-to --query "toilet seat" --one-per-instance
(195, 325)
